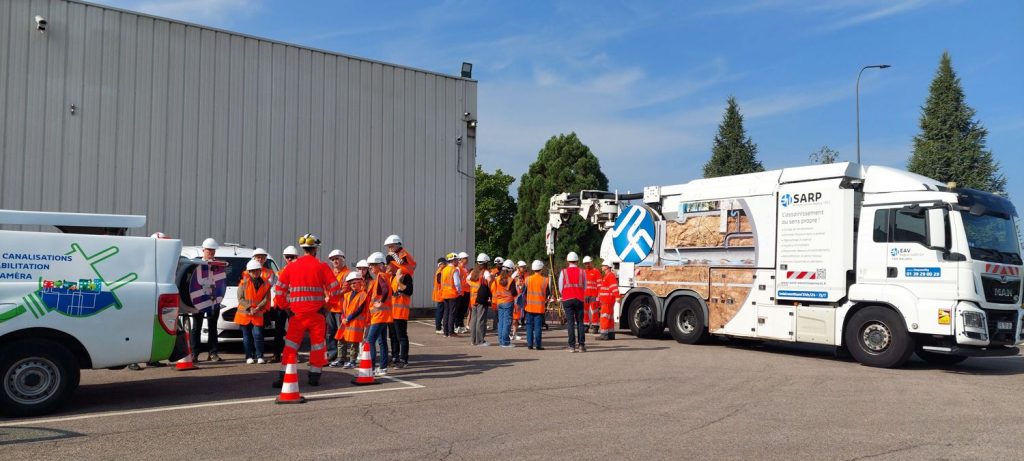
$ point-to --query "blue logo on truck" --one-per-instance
(633, 234)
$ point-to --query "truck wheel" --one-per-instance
(876, 337)
(941, 360)
(642, 320)
(686, 321)
(38, 376)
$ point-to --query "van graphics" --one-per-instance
(81, 297)
(633, 234)
(926, 272)
(812, 241)
(796, 199)
(818, 274)
(803, 294)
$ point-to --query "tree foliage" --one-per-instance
(733, 151)
(824, 156)
(564, 164)
(495, 211)
(951, 144)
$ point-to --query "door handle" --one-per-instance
(890, 272)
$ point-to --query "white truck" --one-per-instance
(83, 298)
(880, 262)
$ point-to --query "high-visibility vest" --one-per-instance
(379, 291)
(340, 277)
(252, 297)
(307, 285)
(593, 284)
(448, 275)
(502, 293)
(408, 264)
(399, 302)
(573, 282)
(352, 332)
(464, 274)
(536, 294)
(609, 289)
(436, 295)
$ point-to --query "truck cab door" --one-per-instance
(913, 263)
(873, 247)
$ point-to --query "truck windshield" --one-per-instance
(991, 227)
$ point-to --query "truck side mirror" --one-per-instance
(937, 229)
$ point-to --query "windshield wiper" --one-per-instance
(994, 254)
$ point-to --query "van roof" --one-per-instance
(59, 219)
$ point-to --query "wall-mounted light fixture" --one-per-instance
(467, 70)
(40, 23)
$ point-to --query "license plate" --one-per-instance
(1004, 325)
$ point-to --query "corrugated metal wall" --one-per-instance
(210, 133)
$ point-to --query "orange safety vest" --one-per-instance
(436, 295)
(464, 273)
(340, 276)
(448, 275)
(474, 288)
(573, 282)
(593, 284)
(352, 332)
(399, 302)
(408, 264)
(502, 293)
(536, 294)
(379, 291)
(252, 297)
(306, 284)
(609, 289)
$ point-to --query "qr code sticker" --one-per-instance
(820, 274)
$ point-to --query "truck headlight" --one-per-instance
(974, 320)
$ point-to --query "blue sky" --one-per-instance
(644, 84)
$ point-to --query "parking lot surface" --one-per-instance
(624, 399)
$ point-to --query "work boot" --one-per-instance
(280, 380)
(611, 335)
(601, 337)
(314, 379)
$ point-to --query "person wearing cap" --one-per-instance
(210, 247)
(572, 284)
(451, 289)
(401, 258)
(608, 295)
(398, 329)
(591, 308)
(278, 314)
(253, 302)
(436, 296)
(354, 320)
(340, 270)
(537, 296)
(380, 302)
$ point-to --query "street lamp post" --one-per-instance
(877, 66)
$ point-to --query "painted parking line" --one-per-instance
(415, 344)
(424, 322)
(310, 396)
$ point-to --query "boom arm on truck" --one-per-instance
(597, 207)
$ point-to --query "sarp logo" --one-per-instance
(786, 200)
(797, 199)
(633, 234)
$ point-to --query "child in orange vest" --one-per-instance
(253, 301)
(354, 318)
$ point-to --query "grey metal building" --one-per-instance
(212, 133)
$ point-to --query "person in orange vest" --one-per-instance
(400, 257)
(591, 307)
(503, 293)
(398, 331)
(572, 283)
(354, 319)
(462, 307)
(436, 296)
(278, 314)
(608, 296)
(340, 270)
(253, 301)
(380, 301)
(537, 295)
(480, 298)
(307, 287)
(518, 306)
(451, 288)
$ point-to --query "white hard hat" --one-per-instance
(508, 265)
(253, 265)
(336, 253)
(499, 260)
(309, 241)
(393, 240)
(521, 264)
(375, 258)
(572, 257)
(354, 275)
(260, 252)
(290, 251)
(463, 255)
(586, 259)
(537, 265)
(362, 264)
(159, 235)
(606, 263)
(210, 244)
(483, 258)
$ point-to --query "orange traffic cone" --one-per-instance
(290, 389)
(185, 363)
(364, 374)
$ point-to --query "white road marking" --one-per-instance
(310, 396)
(415, 344)
(424, 322)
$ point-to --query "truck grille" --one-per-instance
(997, 336)
(999, 291)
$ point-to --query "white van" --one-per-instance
(83, 298)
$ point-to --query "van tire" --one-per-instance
(686, 321)
(642, 319)
(37, 377)
(876, 337)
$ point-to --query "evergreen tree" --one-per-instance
(495, 211)
(951, 144)
(733, 152)
(564, 165)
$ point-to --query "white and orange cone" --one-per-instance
(364, 374)
(290, 388)
(185, 363)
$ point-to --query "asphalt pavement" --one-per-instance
(624, 399)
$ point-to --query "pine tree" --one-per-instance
(733, 151)
(564, 165)
(951, 144)
(495, 211)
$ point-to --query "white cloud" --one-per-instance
(204, 12)
(875, 14)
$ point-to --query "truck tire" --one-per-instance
(642, 320)
(876, 337)
(38, 376)
(940, 360)
(686, 321)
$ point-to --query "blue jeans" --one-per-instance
(504, 324)
(574, 321)
(333, 322)
(377, 336)
(534, 325)
(438, 315)
(252, 341)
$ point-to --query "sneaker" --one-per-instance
(134, 367)
(583, 348)
(518, 338)
(539, 348)
(249, 361)
(485, 343)
(383, 372)
(573, 350)
(401, 365)
(261, 361)
(214, 357)
(335, 364)
(508, 346)
(529, 347)
(438, 332)
(348, 365)
(376, 372)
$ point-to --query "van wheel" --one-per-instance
(876, 337)
(642, 320)
(940, 360)
(686, 321)
(38, 376)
